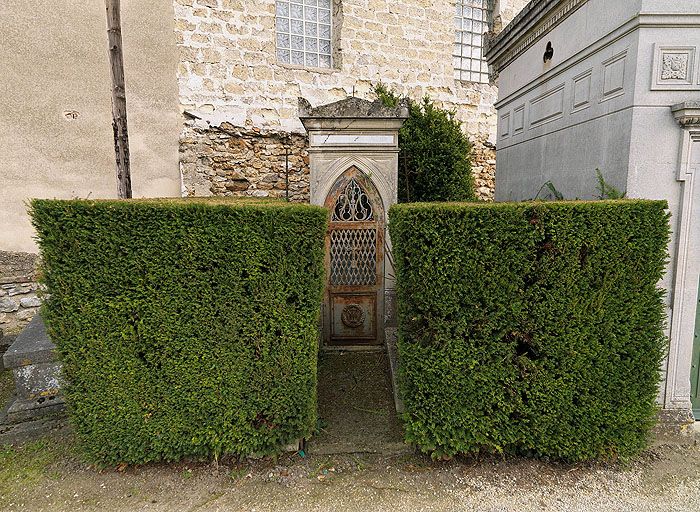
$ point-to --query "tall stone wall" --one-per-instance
(227, 160)
(228, 73)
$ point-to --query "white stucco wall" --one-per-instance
(54, 59)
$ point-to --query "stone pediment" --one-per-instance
(352, 108)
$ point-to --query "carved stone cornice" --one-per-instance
(535, 20)
(687, 114)
(540, 17)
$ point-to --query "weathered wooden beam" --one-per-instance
(119, 123)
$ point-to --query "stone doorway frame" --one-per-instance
(363, 134)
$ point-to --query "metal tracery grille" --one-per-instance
(352, 205)
(353, 257)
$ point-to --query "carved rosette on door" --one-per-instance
(355, 262)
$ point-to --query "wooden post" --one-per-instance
(119, 124)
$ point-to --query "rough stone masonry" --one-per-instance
(18, 290)
(231, 161)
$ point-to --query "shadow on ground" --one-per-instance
(356, 405)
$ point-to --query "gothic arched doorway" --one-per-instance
(354, 300)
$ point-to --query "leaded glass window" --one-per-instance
(304, 29)
(472, 19)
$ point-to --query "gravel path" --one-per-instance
(383, 476)
(665, 478)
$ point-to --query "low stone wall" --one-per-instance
(227, 160)
(18, 290)
(234, 161)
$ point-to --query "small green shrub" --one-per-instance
(532, 328)
(434, 153)
(185, 327)
(552, 193)
(548, 192)
(605, 190)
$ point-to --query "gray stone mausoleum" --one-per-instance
(588, 85)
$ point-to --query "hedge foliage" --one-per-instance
(185, 327)
(531, 328)
(434, 152)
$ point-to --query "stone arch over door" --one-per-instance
(354, 296)
(326, 180)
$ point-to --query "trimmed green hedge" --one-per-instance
(532, 328)
(185, 327)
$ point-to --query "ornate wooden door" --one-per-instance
(354, 299)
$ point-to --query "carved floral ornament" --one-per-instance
(674, 66)
(353, 316)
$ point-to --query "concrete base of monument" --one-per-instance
(675, 421)
(23, 409)
(21, 424)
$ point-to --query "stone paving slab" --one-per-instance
(356, 405)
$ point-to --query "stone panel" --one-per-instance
(674, 68)
(547, 107)
(505, 125)
(518, 119)
(582, 91)
(614, 76)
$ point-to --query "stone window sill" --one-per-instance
(325, 71)
(470, 82)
